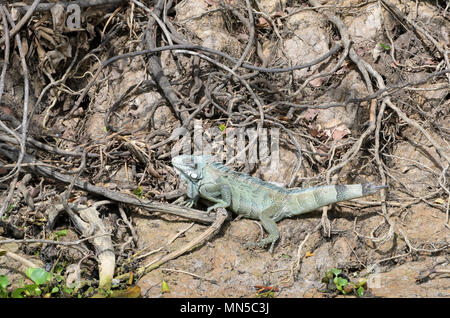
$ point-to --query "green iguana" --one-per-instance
(253, 198)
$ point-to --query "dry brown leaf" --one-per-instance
(262, 23)
(53, 59)
(340, 133)
(314, 132)
(40, 51)
(317, 82)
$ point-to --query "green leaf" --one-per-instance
(139, 192)
(343, 281)
(55, 290)
(59, 278)
(38, 275)
(360, 291)
(335, 271)
(61, 233)
(32, 290)
(222, 127)
(362, 282)
(339, 281)
(60, 267)
(385, 46)
(17, 293)
(3, 281)
(164, 287)
(68, 290)
(37, 291)
(329, 274)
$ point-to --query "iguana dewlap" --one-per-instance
(253, 198)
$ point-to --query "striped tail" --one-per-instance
(311, 199)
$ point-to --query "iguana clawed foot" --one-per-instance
(190, 203)
(263, 243)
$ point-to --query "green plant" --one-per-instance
(385, 46)
(8, 210)
(3, 284)
(52, 285)
(45, 285)
(40, 278)
(139, 192)
(343, 284)
(58, 234)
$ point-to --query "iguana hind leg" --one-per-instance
(270, 226)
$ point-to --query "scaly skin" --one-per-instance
(253, 198)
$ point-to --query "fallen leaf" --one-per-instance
(309, 254)
(317, 82)
(263, 289)
(164, 287)
(131, 292)
(314, 132)
(340, 133)
(262, 23)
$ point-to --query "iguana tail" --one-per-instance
(300, 202)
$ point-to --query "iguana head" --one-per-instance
(190, 169)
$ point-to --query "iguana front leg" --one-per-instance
(219, 193)
(191, 202)
(270, 226)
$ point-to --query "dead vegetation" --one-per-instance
(88, 115)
